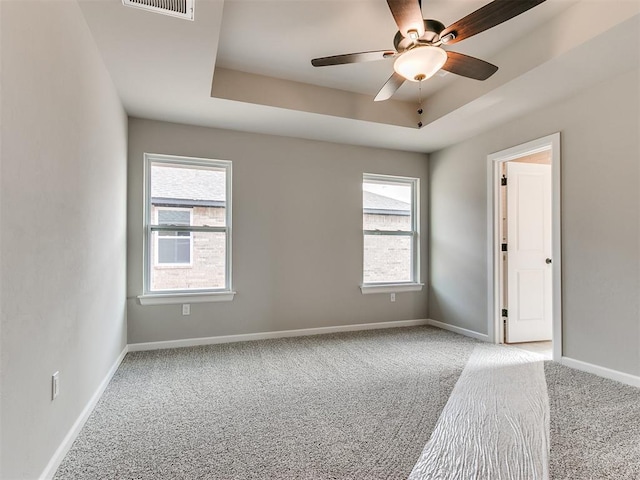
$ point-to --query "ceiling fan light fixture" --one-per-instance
(420, 63)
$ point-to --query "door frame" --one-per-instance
(494, 163)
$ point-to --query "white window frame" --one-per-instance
(156, 249)
(150, 297)
(414, 284)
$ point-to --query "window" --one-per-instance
(188, 229)
(173, 248)
(391, 233)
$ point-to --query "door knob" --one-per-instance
(547, 261)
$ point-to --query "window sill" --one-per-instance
(391, 288)
(174, 298)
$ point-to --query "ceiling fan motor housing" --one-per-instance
(432, 29)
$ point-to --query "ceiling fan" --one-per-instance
(419, 42)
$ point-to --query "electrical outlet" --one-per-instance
(393, 297)
(186, 309)
(55, 385)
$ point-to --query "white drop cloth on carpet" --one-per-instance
(496, 422)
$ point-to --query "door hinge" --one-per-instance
(503, 181)
(504, 247)
(505, 313)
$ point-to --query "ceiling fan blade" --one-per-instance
(467, 66)
(352, 58)
(408, 16)
(389, 88)
(484, 18)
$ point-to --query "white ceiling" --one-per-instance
(279, 38)
(163, 67)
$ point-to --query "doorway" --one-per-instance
(524, 289)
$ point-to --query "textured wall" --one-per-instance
(600, 209)
(63, 220)
(297, 233)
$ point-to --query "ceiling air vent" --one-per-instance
(174, 8)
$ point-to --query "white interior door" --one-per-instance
(529, 272)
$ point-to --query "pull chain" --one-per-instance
(420, 104)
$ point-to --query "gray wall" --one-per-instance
(297, 238)
(63, 220)
(600, 130)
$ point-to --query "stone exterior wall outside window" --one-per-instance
(388, 257)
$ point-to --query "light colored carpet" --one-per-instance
(345, 406)
(595, 426)
(496, 423)
(357, 405)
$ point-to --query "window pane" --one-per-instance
(387, 258)
(386, 206)
(174, 217)
(174, 250)
(206, 269)
(200, 189)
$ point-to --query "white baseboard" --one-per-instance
(58, 456)
(621, 377)
(460, 330)
(191, 342)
